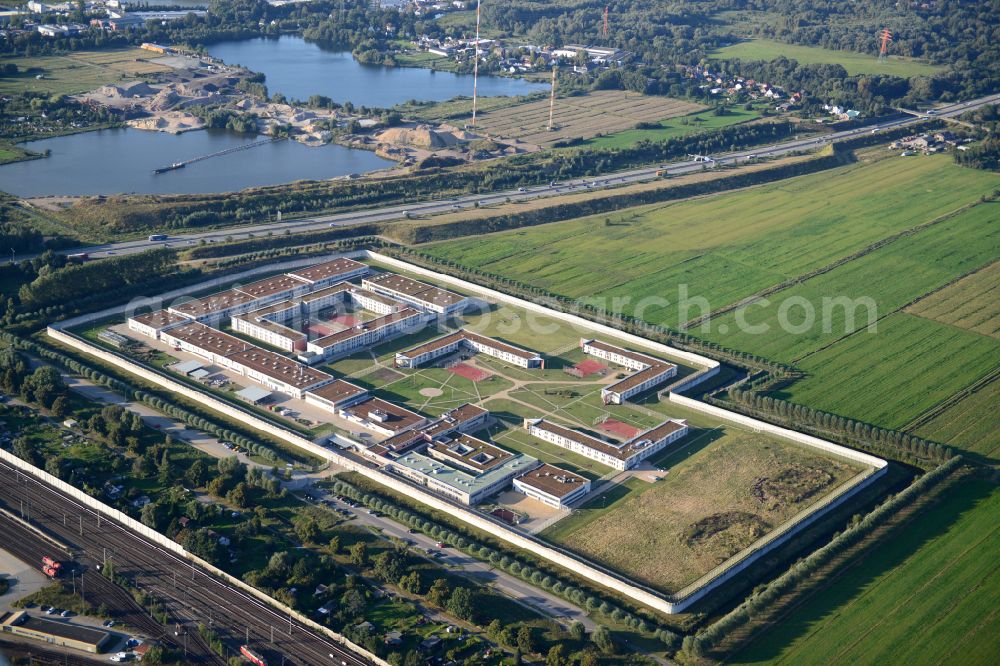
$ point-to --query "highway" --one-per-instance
(192, 595)
(433, 207)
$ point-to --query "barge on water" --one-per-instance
(175, 165)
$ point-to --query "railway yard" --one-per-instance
(190, 595)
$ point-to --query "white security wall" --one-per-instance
(589, 570)
(175, 548)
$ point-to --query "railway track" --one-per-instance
(190, 595)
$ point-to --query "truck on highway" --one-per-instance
(252, 655)
(157, 237)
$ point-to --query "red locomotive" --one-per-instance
(252, 655)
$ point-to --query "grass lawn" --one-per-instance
(717, 497)
(927, 595)
(79, 71)
(673, 127)
(854, 63)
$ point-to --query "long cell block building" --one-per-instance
(649, 370)
(619, 455)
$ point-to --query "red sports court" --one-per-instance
(467, 371)
(620, 428)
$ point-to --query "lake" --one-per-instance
(115, 161)
(298, 68)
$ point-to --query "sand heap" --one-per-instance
(421, 136)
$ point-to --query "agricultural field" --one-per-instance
(581, 116)
(854, 63)
(728, 246)
(78, 71)
(970, 303)
(674, 127)
(928, 259)
(971, 423)
(711, 504)
(926, 595)
(891, 377)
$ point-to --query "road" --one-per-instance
(439, 206)
(191, 594)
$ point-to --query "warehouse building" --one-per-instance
(53, 632)
(464, 339)
(619, 455)
(552, 486)
(649, 370)
(424, 296)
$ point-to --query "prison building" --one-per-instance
(151, 324)
(53, 632)
(276, 288)
(464, 418)
(424, 296)
(336, 395)
(265, 330)
(381, 416)
(271, 369)
(462, 486)
(464, 339)
(468, 453)
(216, 307)
(552, 486)
(619, 455)
(649, 370)
(367, 334)
(330, 272)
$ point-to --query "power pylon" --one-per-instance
(885, 36)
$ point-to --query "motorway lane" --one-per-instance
(432, 207)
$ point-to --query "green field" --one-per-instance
(891, 377)
(718, 496)
(971, 423)
(919, 263)
(928, 595)
(854, 63)
(728, 246)
(673, 127)
(971, 303)
(79, 71)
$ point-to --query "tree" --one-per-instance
(460, 604)
(307, 529)
(438, 594)
(525, 640)
(577, 630)
(60, 407)
(388, 566)
(334, 544)
(352, 603)
(555, 657)
(359, 554)
(589, 658)
(601, 637)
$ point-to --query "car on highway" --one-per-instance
(65, 613)
(108, 624)
(53, 611)
(522, 189)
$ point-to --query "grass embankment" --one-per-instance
(854, 63)
(674, 126)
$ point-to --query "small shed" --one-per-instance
(254, 395)
(187, 367)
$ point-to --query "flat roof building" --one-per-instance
(424, 296)
(650, 371)
(381, 416)
(458, 484)
(465, 339)
(552, 485)
(330, 272)
(54, 632)
(619, 455)
(335, 395)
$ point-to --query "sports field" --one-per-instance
(78, 71)
(927, 595)
(854, 63)
(581, 116)
(716, 498)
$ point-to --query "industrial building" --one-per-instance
(650, 371)
(619, 455)
(54, 632)
(552, 486)
(464, 339)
